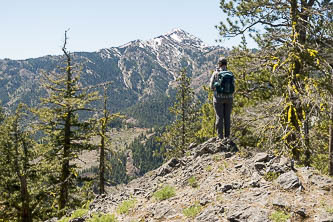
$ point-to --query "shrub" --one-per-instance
(192, 211)
(79, 213)
(192, 181)
(103, 218)
(217, 158)
(125, 206)
(76, 214)
(329, 210)
(279, 216)
(209, 168)
(271, 176)
(165, 193)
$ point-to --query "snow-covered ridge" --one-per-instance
(184, 37)
(175, 36)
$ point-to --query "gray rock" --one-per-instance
(247, 214)
(322, 182)
(236, 185)
(288, 180)
(324, 217)
(214, 145)
(162, 210)
(301, 212)
(260, 166)
(255, 181)
(223, 187)
(204, 201)
(54, 219)
(77, 220)
(192, 145)
(229, 146)
(174, 162)
(168, 167)
(210, 214)
(226, 187)
(261, 157)
(206, 148)
(280, 202)
(238, 166)
(228, 155)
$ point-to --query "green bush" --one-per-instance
(125, 206)
(192, 181)
(271, 176)
(329, 210)
(76, 214)
(165, 193)
(192, 211)
(279, 216)
(209, 168)
(103, 218)
(64, 219)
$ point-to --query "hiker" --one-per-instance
(222, 83)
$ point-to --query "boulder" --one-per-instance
(210, 214)
(261, 157)
(244, 214)
(289, 180)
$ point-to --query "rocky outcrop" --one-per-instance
(228, 188)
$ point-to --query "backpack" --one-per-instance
(225, 83)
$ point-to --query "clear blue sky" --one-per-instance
(34, 28)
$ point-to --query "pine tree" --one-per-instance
(103, 124)
(292, 36)
(18, 168)
(66, 132)
(181, 133)
(207, 118)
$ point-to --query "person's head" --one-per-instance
(222, 62)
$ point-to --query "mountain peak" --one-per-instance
(177, 31)
(181, 36)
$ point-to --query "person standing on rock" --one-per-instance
(222, 83)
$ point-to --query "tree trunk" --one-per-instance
(183, 112)
(300, 35)
(26, 212)
(65, 166)
(331, 144)
(65, 173)
(102, 165)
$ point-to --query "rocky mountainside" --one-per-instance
(138, 69)
(215, 183)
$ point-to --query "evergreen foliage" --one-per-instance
(115, 173)
(283, 102)
(147, 152)
(181, 133)
(19, 171)
(207, 118)
(102, 128)
(153, 111)
(65, 133)
(294, 38)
